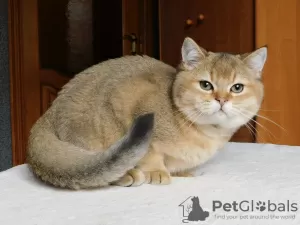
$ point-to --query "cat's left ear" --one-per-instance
(256, 60)
(191, 53)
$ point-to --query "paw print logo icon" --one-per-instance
(261, 206)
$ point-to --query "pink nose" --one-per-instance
(221, 101)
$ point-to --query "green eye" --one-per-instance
(237, 88)
(205, 85)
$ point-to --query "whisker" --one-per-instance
(197, 116)
(249, 126)
(188, 119)
(263, 117)
(251, 131)
(184, 117)
(256, 131)
(240, 105)
(269, 132)
(271, 110)
(272, 122)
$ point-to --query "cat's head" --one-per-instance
(219, 88)
(195, 199)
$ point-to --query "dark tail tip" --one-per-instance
(142, 126)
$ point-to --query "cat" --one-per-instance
(135, 120)
(197, 212)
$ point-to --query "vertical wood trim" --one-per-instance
(24, 73)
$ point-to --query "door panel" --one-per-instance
(222, 26)
(51, 82)
(226, 26)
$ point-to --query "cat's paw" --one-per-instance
(157, 177)
(132, 178)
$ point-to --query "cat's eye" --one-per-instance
(237, 88)
(205, 85)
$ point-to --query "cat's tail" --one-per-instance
(65, 165)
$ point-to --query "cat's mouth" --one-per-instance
(221, 115)
(221, 112)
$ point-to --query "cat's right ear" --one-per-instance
(191, 54)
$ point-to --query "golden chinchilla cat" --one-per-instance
(136, 120)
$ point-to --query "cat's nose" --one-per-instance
(221, 101)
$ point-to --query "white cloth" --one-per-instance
(238, 172)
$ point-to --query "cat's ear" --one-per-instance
(191, 53)
(256, 60)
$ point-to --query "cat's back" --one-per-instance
(115, 71)
(122, 79)
(131, 66)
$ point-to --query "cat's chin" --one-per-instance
(223, 120)
(219, 118)
(221, 114)
(233, 123)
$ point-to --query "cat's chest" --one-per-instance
(191, 151)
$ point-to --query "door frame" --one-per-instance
(24, 73)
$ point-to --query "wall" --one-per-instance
(5, 129)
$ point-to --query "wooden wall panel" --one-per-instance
(278, 26)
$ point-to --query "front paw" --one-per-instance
(157, 177)
(132, 178)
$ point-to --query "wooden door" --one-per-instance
(278, 26)
(223, 26)
(51, 41)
